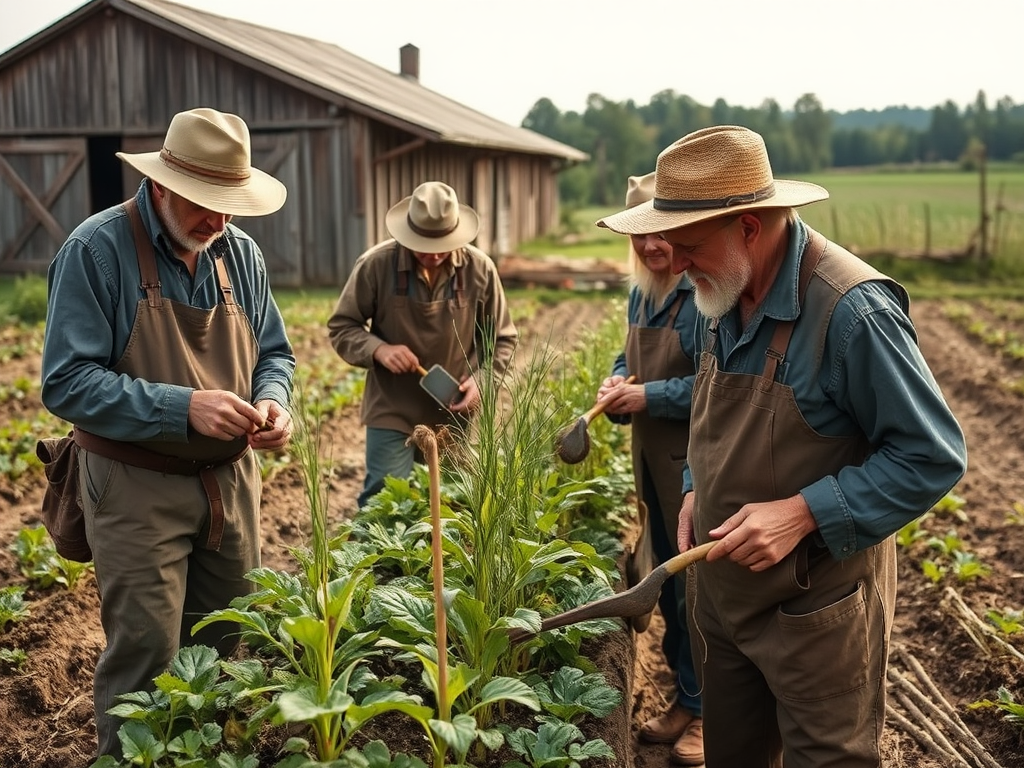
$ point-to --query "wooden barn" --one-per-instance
(348, 138)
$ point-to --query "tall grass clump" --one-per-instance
(500, 469)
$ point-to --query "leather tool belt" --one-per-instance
(133, 455)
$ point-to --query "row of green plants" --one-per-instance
(43, 570)
(1007, 342)
(405, 610)
(934, 542)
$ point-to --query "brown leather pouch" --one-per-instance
(62, 506)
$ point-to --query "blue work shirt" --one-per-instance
(872, 380)
(667, 398)
(94, 289)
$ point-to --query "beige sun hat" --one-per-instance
(639, 189)
(718, 171)
(431, 220)
(206, 160)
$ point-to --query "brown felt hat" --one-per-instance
(206, 160)
(719, 171)
(431, 220)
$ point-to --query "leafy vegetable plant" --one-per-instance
(554, 745)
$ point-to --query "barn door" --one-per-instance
(278, 235)
(44, 195)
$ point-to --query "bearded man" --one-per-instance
(165, 348)
(816, 432)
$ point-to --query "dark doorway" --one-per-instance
(105, 185)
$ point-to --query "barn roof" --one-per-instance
(328, 72)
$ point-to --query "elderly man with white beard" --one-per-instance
(817, 431)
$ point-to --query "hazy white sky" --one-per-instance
(501, 56)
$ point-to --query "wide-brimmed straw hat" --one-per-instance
(719, 171)
(206, 160)
(431, 220)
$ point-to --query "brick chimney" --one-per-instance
(409, 56)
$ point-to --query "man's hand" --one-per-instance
(470, 399)
(221, 414)
(607, 386)
(626, 398)
(275, 430)
(397, 358)
(761, 535)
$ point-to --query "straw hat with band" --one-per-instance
(719, 171)
(431, 220)
(206, 160)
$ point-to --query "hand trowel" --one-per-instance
(439, 384)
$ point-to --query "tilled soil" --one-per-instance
(46, 709)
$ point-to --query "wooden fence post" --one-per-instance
(983, 222)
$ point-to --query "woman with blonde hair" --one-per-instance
(660, 353)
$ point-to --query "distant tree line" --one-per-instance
(624, 139)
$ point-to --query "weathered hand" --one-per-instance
(221, 414)
(607, 386)
(626, 398)
(397, 358)
(762, 534)
(276, 430)
(470, 399)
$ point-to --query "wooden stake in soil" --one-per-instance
(425, 439)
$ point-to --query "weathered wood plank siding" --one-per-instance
(114, 73)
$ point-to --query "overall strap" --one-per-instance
(225, 281)
(674, 313)
(145, 255)
(779, 344)
(401, 275)
(456, 286)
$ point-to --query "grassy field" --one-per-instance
(894, 211)
(869, 211)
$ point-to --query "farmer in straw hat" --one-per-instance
(817, 431)
(165, 349)
(424, 297)
(660, 351)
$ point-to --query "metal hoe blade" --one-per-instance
(574, 442)
(633, 602)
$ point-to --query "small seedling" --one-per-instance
(13, 659)
(1013, 711)
(12, 606)
(1009, 622)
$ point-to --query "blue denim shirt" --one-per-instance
(667, 398)
(872, 380)
(94, 288)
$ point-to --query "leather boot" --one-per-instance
(667, 727)
(689, 748)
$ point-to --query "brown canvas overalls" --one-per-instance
(793, 658)
(659, 454)
(440, 330)
(162, 560)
